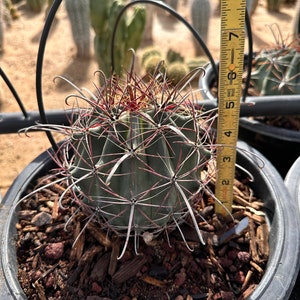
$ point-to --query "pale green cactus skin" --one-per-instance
(176, 71)
(296, 22)
(79, 16)
(200, 11)
(138, 154)
(2, 25)
(277, 72)
(129, 34)
(35, 5)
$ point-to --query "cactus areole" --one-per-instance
(138, 151)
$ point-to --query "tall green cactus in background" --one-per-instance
(2, 25)
(200, 11)
(129, 34)
(79, 15)
(274, 5)
(35, 5)
(296, 22)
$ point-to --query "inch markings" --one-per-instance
(229, 93)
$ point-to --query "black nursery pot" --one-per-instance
(282, 216)
(292, 181)
(281, 146)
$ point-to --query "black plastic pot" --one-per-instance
(281, 146)
(292, 181)
(282, 214)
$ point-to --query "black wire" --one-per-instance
(14, 92)
(250, 56)
(173, 13)
(39, 68)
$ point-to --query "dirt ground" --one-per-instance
(19, 63)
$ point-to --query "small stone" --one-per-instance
(239, 277)
(244, 256)
(180, 277)
(54, 250)
(49, 281)
(41, 219)
(96, 287)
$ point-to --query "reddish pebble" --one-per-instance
(180, 277)
(96, 287)
(239, 277)
(243, 256)
(54, 250)
(49, 281)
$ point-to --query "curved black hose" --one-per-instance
(250, 56)
(14, 92)
(39, 69)
(173, 13)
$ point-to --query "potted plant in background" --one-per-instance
(272, 100)
(132, 127)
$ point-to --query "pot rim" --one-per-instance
(277, 279)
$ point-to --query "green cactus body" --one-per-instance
(79, 16)
(200, 14)
(277, 72)
(196, 62)
(2, 25)
(176, 71)
(137, 156)
(151, 63)
(273, 5)
(35, 5)
(296, 22)
(174, 56)
(150, 51)
(129, 33)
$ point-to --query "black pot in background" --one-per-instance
(292, 181)
(282, 215)
(281, 146)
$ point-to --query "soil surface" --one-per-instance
(19, 63)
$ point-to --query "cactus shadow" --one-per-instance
(76, 72)
(37, 37)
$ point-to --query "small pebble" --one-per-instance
(54, 250)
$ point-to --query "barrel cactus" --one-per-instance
(133, 157)
(176, 71)
(277, 71)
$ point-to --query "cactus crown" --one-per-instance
(137, 154)
(277, 71)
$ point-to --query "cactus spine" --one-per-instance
(129, 34)
(138, 151)
(200, 11)
(79, 16)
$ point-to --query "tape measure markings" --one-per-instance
(230, 80)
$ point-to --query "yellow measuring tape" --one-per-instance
(229, 93)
